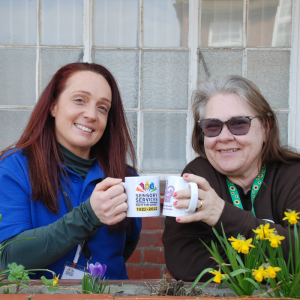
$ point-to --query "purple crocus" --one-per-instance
(97, 270)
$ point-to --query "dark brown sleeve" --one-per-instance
(185, 254)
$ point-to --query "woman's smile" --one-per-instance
(85, 129)
(234, 155)
(81, 112)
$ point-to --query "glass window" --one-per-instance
(269, 23)
(62, 22)
(166, 23)
(116, 23)
(18, 22)
(221, 23)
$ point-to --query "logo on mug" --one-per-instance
(169, 191)
(147, 197)
(146, 187)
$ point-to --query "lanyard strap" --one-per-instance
(255, 188)
(83, 246)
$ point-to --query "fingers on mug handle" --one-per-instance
(194, 198)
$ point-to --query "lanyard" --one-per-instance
(83, 246)
(255, 188)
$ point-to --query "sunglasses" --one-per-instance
(236, 125)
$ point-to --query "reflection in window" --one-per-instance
(221, 23)
(18, 22)
(219, 35)
(282, 26)
(62, 22)
(116, 23)
(269, 23)
(166, 23)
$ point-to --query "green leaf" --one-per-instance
(199, 277)
(49, 284)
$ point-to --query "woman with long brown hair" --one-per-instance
(60, 183)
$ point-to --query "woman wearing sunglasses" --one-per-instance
(245, 177)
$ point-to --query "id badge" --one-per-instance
(71, 272)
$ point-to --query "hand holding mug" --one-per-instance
(209, 205)
(108, 201)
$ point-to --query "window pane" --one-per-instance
(269, 23)
(283, 127)
(214, 63)
(18, 22)
(12, 123)
(270, 71)
(116, 23)
(17, 76)
(62, 22)
(52, 60)
(166, 23)
(221, 23)
(124, 65)
(165, 79)
(164, 142)
(133, 127)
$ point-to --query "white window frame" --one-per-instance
(194, 37)
(193, 42)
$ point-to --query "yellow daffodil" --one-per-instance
(260, 274)
(272, 271)
(292, 217)
(263, 232)
(55, 280)
(245, 246)
(235, 243)
(275, 240)
(218, 276)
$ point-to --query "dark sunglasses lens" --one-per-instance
(211, 128)
(239, 126)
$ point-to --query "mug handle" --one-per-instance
(194, 198)
(124, 185)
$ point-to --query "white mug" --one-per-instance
(175, 183)
(143, 196)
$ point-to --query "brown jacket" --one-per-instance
(186, 256)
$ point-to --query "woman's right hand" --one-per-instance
(108, 201)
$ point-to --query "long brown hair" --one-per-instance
(272, 150)
(39, 144)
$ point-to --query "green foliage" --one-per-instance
(16, 274)
(92, 285)
(242, 268)
(49, 284)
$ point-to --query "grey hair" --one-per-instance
(240, 86)
(248, 93)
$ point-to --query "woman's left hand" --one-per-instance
(209, 206)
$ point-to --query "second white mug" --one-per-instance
(175, 183)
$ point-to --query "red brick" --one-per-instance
(155, 257)
(157, 223)
(135, 258)
(144, 272)
(150, 240)
(166, 271)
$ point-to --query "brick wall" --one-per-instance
(148, 260)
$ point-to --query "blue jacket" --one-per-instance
(20, 214)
